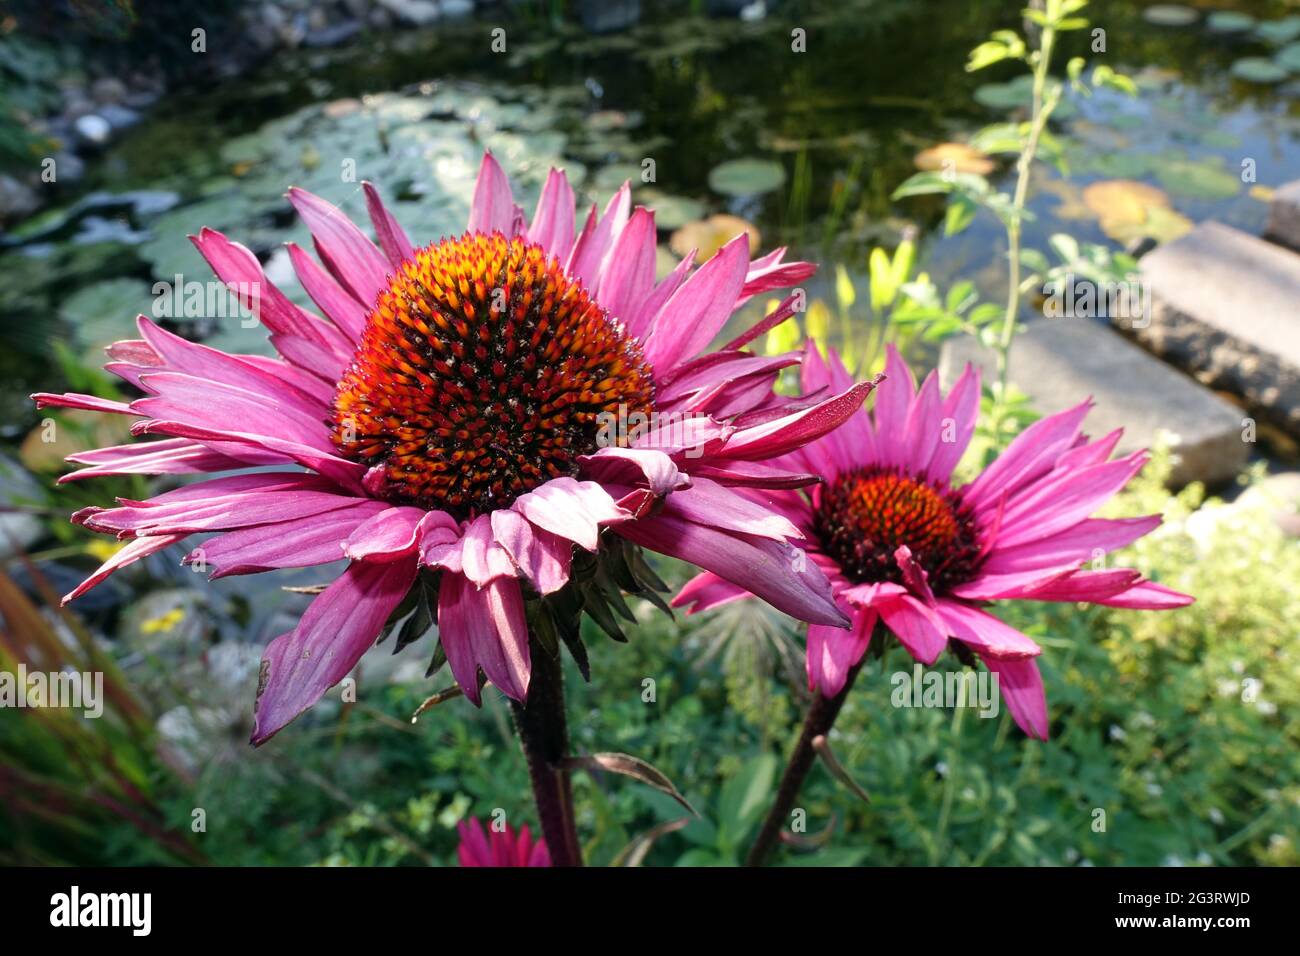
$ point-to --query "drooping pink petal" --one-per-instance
(1085, 541)
(482, 558)
(127, 554)
(544, 558)
(484, 627)
(1022, 688)
(386, 536)
(295, 543)
(633, 466)
(1148, 596)
(171, 456)
(784, 434)
(773, 570)
(707, 502)
(985, 633)
(833, 651)
(917, 626)
(571, 509)
(706, 591)
(341, 624)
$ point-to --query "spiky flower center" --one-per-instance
(483, 372)
(864, 516)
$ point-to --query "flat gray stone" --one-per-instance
(1225, 306)
(1060, 362)
(1284, 216)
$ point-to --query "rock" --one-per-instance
(1224, 307)
(1059, 362)
(1279, 495)
(119, 117)
(93, 130)
(108, 89)
(418, 13)
(1284, 216)
(17, 199)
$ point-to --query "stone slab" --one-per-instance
(1059, 362)
(1225, 306)
(1284, 216)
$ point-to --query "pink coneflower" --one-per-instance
(478, 847)
(903, 546)
(450, 413)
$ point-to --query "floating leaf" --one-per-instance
(1207, 179)
(1229, 21)
(671, 212)
(709, 235)
(1170, 15)
(1130, 210)
(1259, 69)
(956, 157)
(747, 177)
(1288, 57)
(1279, 31)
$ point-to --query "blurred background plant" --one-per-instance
(937, 200)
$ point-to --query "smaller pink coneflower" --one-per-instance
(480, 847)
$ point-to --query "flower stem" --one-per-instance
(544, 735)
(821, 717)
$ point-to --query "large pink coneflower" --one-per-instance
(452, 412)
(905, 547)
(479, 847)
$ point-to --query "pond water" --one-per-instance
(833, 132)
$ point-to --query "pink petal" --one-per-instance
(773, 570)
(493, 206)
(706, 591)
(630, 274)
(344, 249)
(339, 306)
(698, 310)
(484, 627)
(784, 434)
(296, 543)
(553, 224)
(340, 625)
(571, 509)
(591, 249)
(392, 239)
(482, 558)
(833, 651)
(985, 633)
(634, 466)
(127, 554)
(387, 536)
(1022, 689)
(917, 626)
(961, 409)
(544, 558)
(1071, 547)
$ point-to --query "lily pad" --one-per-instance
(1288, 57)
(1259, 69)
(1129, 210)
(957, 157)
(671, 212)
(1280, 31)
(747, 177)
(105, 312)
(1170, 15)
(1206, 179)
(1229, 21)
(707, 236)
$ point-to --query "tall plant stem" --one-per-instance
(821, 717)
(544, 735)
(1024, 164)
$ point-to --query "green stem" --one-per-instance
(544, 736)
